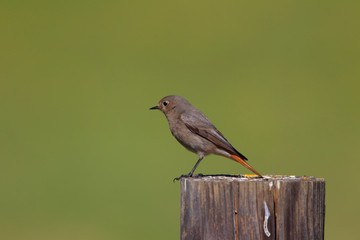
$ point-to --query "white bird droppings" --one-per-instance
(267, 215)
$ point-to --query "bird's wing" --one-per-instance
(199, 124)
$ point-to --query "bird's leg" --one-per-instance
(196, 164)
(192, 171)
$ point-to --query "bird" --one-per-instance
(196, 133)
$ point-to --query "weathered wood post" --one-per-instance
(275, 207)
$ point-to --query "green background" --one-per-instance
(82, 157)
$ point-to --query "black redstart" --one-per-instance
(196, 133)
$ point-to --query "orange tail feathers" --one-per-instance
(238, 159)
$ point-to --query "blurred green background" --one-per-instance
(82, 157)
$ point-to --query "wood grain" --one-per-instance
(276, 207)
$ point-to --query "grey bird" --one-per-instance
(196, 133)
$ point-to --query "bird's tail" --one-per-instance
(238, 159)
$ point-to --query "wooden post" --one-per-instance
(275, 207)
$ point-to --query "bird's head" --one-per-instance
(171, 104)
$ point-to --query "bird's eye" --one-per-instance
(165, 103)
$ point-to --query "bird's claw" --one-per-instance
(187, 176)
(198, 175)
(182, 176)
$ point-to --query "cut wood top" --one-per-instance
(253, 178)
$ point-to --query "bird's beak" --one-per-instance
(156, 107)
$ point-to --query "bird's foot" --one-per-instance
(182, 176)
(187, 176)
(198, 175)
